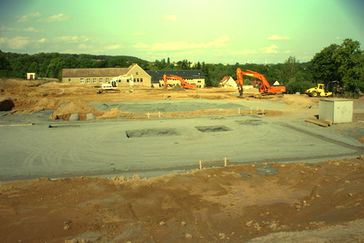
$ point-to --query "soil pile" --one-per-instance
(112, 113)
(65, 110)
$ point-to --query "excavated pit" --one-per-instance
(155, 132)
(213, 128)
(251, 122)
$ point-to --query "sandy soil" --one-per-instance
(64, 99)
(233, 204)
(258, 202)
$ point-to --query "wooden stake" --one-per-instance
(159, 114)
(148, 115)
(225, 161)
(318, 122)
(200, 162)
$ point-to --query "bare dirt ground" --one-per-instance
(258, 202)
(64, 99)
(233, 204)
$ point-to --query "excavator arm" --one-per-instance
(264, 85)
(184, 83)
(240, 80)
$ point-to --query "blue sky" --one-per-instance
(214, 31)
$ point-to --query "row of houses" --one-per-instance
(140, 76)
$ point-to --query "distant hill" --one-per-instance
(50, 64)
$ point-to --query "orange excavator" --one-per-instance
(184, 83)
(264, 85)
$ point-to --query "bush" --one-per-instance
(298, 86)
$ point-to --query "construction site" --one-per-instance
(178, 164)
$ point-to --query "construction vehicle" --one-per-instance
(184, 84)
(112, 85)
(264, 86)
(319, 91)
(330, 88)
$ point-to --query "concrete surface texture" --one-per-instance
(161, 145)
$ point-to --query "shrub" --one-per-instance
(298, 86)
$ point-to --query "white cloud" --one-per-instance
(31, 29)
(244, 52)
(183, 45)
(42, 40)
(18, 42)
(141, 45)
(28, 17)
(3, 40)
(83, 46)
(277, 37)
(272, 49)
(57, 17)
(113, 47)
(73, 38)
(4, 28)
(171, 18)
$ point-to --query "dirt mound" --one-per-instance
(300, 101)
(65, 110)
(112, 113)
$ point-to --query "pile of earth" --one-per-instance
(75, 110)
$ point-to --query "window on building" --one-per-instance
(199, 81)
(141, 80)
(136, 73)
(82, 80)
(127, 80)
(69, 80)
(94, 80)
(100, 80)
(87, 80)
(138, 80)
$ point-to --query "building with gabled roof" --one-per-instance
(195, 77)
(96, 76)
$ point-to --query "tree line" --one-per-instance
(342, 63)
(50, 65)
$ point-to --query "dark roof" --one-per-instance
(186, 74)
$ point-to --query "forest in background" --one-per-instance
(343, 63)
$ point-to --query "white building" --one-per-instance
(30, 76)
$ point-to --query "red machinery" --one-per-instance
(264, 85)
(184, 83)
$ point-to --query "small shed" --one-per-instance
(30, 76)
(336, 110)
(228, 81)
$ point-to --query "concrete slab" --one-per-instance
(104, 148)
